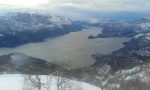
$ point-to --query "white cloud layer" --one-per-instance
(78, 8)
(104, 5)
(96, 5)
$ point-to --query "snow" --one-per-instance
(49, 21)
(143, 36)
(11, 82)
(147, 36)
(86, 86)
(17, 82)
(18, 56)
(144, 26)
(139, 35)
(92, 21)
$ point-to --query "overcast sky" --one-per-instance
(80, 7)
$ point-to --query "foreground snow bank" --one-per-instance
(17, 82)
(11, 82)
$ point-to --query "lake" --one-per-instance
(73, 50)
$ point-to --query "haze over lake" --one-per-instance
(73, 49)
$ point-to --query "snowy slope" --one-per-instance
(17, 82)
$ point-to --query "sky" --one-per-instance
(81, 8)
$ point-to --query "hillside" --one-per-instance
(17, 28)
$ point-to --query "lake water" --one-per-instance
(74, 50)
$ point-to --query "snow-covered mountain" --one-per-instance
(17, 28)
(125, 69)
(123, 79)
(19, 21)
(135, 52)
(23, 82)
(121, 28)
(139, 45)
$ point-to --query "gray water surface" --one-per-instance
(74, 50)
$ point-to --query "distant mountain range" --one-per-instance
(121, 28)
(125, 69)
(17, 28)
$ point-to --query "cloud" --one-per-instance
(94, 5)
(82, 7)
(9, 4)
(104, 5)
